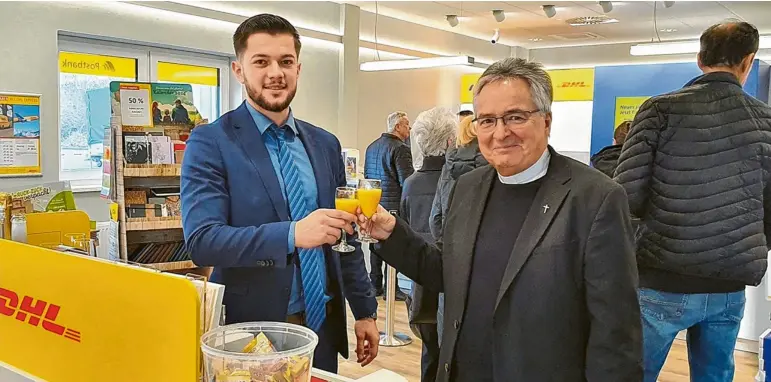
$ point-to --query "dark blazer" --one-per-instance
(567, 308)
(235, 219)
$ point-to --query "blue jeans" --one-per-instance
(712, 321)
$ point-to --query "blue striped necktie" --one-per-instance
(311, 260)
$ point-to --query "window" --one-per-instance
(86, 69)
(207, 76)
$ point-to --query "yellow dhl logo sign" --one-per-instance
(580, 84)
(568, 84)
(97, 65)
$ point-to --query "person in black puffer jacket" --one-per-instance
(460, 160)
(607, 159)
(389, 159)
(696, 167)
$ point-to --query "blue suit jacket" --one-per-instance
(235, 219)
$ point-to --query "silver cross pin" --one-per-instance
(545, 208)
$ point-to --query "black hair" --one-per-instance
(465, 113)
(728, 43)
(264, 23)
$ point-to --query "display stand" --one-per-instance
(389, 338)
(138, 231)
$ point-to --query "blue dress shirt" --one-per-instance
(310, 190)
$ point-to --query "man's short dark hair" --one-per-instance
(728, 43)
(264, 23)
(465, 113)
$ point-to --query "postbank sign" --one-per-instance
(97, 65)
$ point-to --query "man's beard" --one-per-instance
(263, 103)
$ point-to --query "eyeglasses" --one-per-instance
(509, 119)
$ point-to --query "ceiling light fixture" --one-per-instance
(669, 4)
(590, 20)
(549, 10)
(420, 63)
(535, 39)
(679, 47)
(452, 20)
(499, 15)
(607, 6)
(668, 30)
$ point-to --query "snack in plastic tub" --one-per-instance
(258, 352)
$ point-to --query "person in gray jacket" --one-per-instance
(432, 132)
(460, 160)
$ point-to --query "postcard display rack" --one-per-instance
(142, 171)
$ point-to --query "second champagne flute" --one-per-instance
(345, 200)
(369, 194)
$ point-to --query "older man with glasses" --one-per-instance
(537, 260)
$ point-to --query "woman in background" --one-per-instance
(432, 133)
(459, 161)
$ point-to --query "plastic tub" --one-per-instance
(225, 361)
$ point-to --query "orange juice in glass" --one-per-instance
(345, 200)
(368, 194)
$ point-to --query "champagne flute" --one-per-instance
(369, 194)
(345, 200)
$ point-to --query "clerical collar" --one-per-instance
(533, 173)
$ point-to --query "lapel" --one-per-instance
(251, 142)
(469, 219)
(319, 163)
(552, 193)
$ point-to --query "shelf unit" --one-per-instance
(145, 230)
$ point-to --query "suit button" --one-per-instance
(446, 367)
(456, 324)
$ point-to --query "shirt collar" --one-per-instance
(532, 173)
(263, 122)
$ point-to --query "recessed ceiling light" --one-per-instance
(535, 39)
(590, 20)
(668, 30)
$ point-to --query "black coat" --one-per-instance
(390, 160)
(417, 198)
(459, 161)
(567, 308)
(607, 159)
(696, 166)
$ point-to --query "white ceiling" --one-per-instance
(526, 25)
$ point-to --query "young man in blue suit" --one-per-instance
(258, 193)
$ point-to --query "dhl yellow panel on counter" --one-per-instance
(66, 317)
(50, 227)
(568, 84)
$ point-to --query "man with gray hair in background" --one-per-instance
(537, 258)
(389, 159)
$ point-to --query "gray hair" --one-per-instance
(393, 120)
(533, 72)
(432, 132)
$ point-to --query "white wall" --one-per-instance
(411, 91)
(30, 63)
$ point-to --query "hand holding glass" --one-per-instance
(345, 200)
(368, 194)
